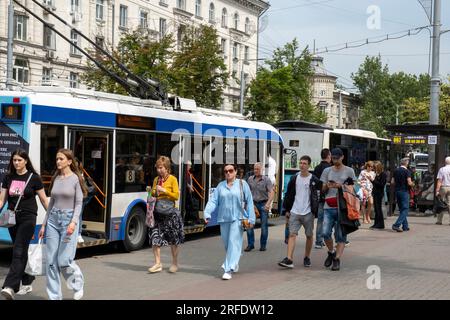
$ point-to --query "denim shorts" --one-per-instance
(330, 221)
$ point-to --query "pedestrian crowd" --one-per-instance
(331, 193)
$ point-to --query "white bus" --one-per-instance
(118, 139)
(304, 138)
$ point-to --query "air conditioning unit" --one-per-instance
(50, 55)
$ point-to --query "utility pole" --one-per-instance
(340, 108)
(435, 80)
(241, 100)
(9, 50)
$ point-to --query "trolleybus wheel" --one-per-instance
(135, 230)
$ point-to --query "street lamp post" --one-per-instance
(241, 98)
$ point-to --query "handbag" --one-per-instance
(8, 217)
(244, 213)
(164, 208)
(439, 204)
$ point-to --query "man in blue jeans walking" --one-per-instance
(402, 180)
(325, 155)
(262, 193)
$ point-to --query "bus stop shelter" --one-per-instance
(425, 139)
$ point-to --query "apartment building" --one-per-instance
(41, 57)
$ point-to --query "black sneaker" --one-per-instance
(329, 259)
(336, 264)
(287, 263)
(306, 262)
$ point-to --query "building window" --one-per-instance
(47, 74)
(181, 4)
(162, 27)
(49, 3)
(246, 53)
(49, 39)
(100, 4)
(123, 16)
(212, 13)
(247, 25)
(223, 46)
(322, 93)
(20, 27)
(236, 21)
(143, 18)
(180, 36)
(198, 8)
(21, 70)
(235, 51)
(73, 80)
(224, 18)
(75, 5)
(75, 39)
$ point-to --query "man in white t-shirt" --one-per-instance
(443, 187)
(301, 204)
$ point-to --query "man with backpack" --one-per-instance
(333, 178)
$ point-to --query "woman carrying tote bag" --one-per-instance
(15, 186)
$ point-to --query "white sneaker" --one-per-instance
(226, 276)
(8, 293)
(78, 294)
(80, 239)
(24, 290)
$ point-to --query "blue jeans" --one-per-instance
(264, 216)
(61, 250)
(403, 206)
(330, 221)
(320, 213)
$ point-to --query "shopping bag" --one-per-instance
(36, 265)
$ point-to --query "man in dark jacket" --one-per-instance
(325, 155)
(301, 204)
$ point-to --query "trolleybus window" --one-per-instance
(52, 139)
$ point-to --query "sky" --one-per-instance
(332, 23)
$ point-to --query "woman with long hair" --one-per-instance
(61, 225)
(230, 198)
(378, 193)
(168, 230)
(366, 177)
(21, 180)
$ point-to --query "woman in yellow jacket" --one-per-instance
(167, 230)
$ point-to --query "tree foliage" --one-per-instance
(281, 89)
(383, 93)
(196, 71)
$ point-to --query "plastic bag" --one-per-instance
(36, 265)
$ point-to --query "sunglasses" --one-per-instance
(228, 171)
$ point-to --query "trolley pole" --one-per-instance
(9, 50)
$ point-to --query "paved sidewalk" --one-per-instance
(413, 265)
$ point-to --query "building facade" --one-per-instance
(341, 107)
(43, 58)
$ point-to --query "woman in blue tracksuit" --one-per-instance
(227, 199)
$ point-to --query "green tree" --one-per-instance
(198, 69)
(281, 89)
(383, 93)
(140, 54)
